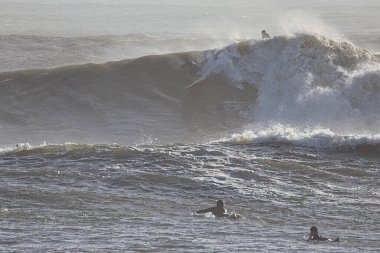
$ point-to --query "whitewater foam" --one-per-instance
(304, 80)
(312, 137)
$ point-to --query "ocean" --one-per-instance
(120, 119)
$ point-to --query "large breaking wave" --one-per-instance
(306, 79)
(318, 87)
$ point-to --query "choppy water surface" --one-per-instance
(285, 130)
(115, 198)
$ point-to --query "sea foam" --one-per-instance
(331, 87)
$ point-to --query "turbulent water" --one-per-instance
(116, 156)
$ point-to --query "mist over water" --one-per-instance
(119, 119)
(42, 34)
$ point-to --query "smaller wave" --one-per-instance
(66, 149)
(320, 138)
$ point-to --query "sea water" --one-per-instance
(103, 151)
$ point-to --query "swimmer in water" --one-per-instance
(217, 211)
(314, 236)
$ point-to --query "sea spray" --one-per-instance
(305, 80)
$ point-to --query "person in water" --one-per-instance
(314, 236)
(217, 211)
(264, 35)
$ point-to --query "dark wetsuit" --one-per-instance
(217, 211)
(317, 238)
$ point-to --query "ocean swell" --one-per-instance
(301, 82)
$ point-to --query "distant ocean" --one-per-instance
(118, 120)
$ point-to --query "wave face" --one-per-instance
(304, 82)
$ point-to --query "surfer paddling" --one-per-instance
(217, 211)
(220, 211)
(314, 236)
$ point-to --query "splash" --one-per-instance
(305, 80)
(302, 22)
